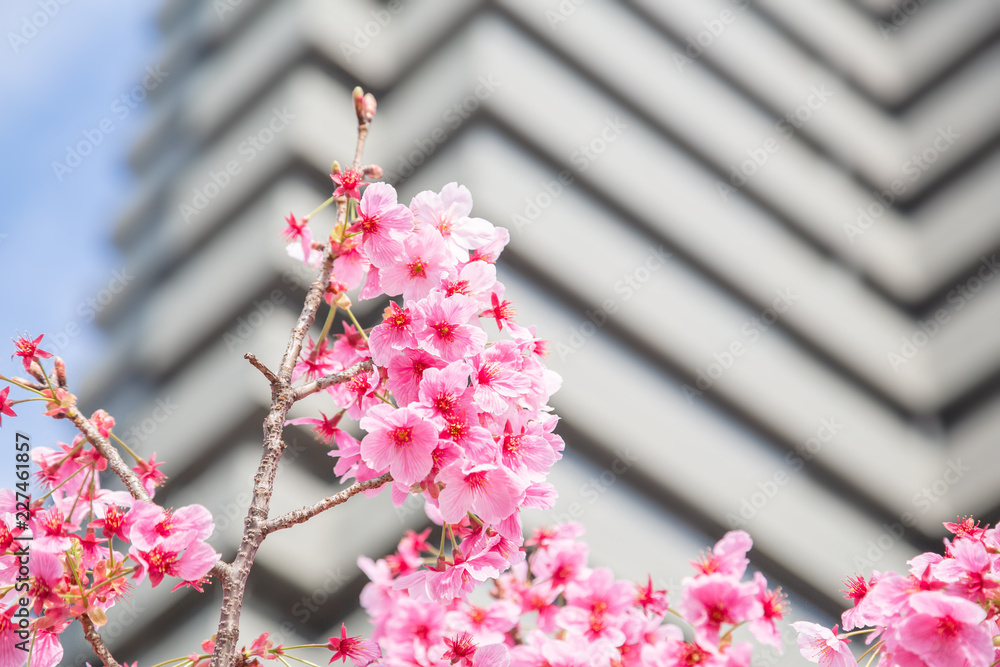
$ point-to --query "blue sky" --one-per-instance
(63, 65)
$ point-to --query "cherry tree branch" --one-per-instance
(92, 636)
(110, 454)
(319, 384)
(304, 514)
(283, 396)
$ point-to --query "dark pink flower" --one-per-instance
(5, 405)
(348, 183)
(362, 652)
(28, 350)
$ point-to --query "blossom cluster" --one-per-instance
(453, 416)
(59, 554)
(943, 613)
(552, 610)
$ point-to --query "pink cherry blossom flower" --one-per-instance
(946, 631)
(447, 334)
(497, 380)
(857, 590)
(149, 473)
(728, 556)
(28, 350)
(383, 225)
(151, 524)
(596, 606)
(348, 183)
(298, 230)
(971, 567)
(526, 452)
(487, 490)
(462, 427)
(313, 362)
(421, 266)
(406, 370)
(5, 404)
(448, 213)
(475, 279)
(491, 249)
(362, 652)
(325, 428)
(764, 628)
(175, 556)
(444, 391)
(396, 332)
(711, 600)
(400, 440)
(823, 646)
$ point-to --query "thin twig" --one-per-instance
(319, 384)
(110, 453)
(306, 513)
(259, 365)
(92, 636)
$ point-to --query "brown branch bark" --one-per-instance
(259, 365)
(283, 396)
(110, 453)
(304, 514)
(92, 636)
(319, 384)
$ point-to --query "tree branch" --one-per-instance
(304, 514)
(322, 383)
(92, 636)
(259, 365)
(283, 396)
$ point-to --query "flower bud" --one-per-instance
(372, 171)
(60, 371)
(36, 371)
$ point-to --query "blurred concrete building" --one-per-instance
(760, 236)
